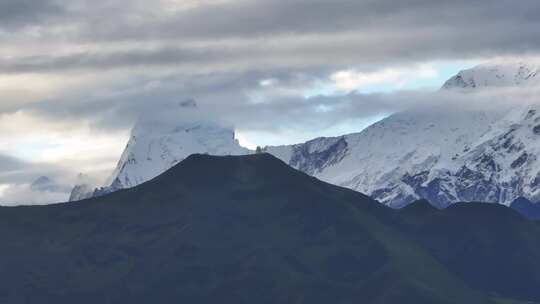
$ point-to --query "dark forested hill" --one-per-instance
(490, 246)
(250, 229)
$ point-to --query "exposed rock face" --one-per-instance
(314, 156)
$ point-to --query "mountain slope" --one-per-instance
(366, 162)
(445, 155)
(265, 233)
(490, 246)
(526, 208)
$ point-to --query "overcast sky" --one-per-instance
(74, 75)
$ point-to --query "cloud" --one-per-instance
(22, 13)
(250, 34)
(105, 34)
(266, 101)
(78, 58)
(8, 163)
(16, 195)
(17, 171)
(394, 78)
(108, 61)
(17, 176)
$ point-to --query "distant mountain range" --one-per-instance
(443, 156)
(44, 183)
(250, 229)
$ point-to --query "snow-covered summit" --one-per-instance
(500, 73)
(445, 154)
(160, 140)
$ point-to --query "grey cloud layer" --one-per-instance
(294, 33)
(16, 171)
(243, 40)
(8, 163)
(224, 97)
(21, 13)
(245, 18)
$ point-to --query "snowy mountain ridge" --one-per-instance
(443, 155)
(500, 73)
(435, 153)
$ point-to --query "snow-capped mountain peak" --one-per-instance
(161, 140)
(444, 156)
(501, 73)
(46, 184)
